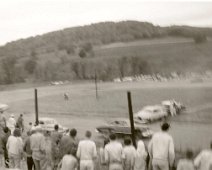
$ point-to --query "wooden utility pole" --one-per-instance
(36, 108)
(131, 118)
(96, 85)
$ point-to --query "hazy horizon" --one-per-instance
(26, 18)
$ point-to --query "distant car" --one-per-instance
(48, 124)
(151, 113)
(3, 107)
(122, 128)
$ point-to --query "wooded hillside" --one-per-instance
(73, 53)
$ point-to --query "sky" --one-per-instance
(25, 18)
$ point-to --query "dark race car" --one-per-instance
(121, 127)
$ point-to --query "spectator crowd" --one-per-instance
(44, 150)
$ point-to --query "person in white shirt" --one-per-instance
(187, 163)
(15, 149)
(141, 156)
(203, 161)
(114, 155)
(11, 123)
(69, 162)
(161, 149)
(37, 145)
(130, 153)
(86, 152)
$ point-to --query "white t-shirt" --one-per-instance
(69, 162)
(15, 145)
(114, 152)
(162, 147)
(185, 164)
(86, 150)
(204, 160)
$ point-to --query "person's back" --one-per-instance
(129, 155)
(204, 160)
(69, 162)
(114, 155)
(185, 164)
(161, 141)
(161, 149)
(37, 142)
(86, 152)
(87, 149)
(14, 145)
(114, 150)
(141, 156)
(56, 136)
(68, 142)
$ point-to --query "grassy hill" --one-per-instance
(109, 49)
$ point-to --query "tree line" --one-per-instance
(69, 53)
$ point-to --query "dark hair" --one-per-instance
(29, 133)
(189, 154)
(127, 141)
(73, 132)
(17, 132)
(21, 115)
(211, 145)
(165, 126)
(56, 127)
(112, 136)
(88, 134)
(6, 129)
(106, 141)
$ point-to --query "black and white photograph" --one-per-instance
(105, 85)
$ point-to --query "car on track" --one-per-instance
(3, 107)
(151, 113)
(159, 112)
(48, 124)
(121, 127)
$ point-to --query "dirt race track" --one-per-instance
(84, 112)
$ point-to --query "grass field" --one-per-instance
(83, 111)
(163, 55)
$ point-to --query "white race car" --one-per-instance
(3, 107)
(48, 124)
(150, 113)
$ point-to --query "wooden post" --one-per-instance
(131, 118)
(96, 85)
(36, 108)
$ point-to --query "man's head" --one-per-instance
(127, 141)
(211, 145)
(17, 132)
(56, 127)
(6, 129)
(112, 137)
(29, 133)
(189, 154)
(165, 126)
(21, 115)
(73, 133)
(88, 134)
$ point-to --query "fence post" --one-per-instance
(36, 108)
(131, 118)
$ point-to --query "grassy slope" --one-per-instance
(164, 54)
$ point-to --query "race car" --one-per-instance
(159, 112)
(3, 107)
(121, 127)
(48, 124)
(150, 113)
